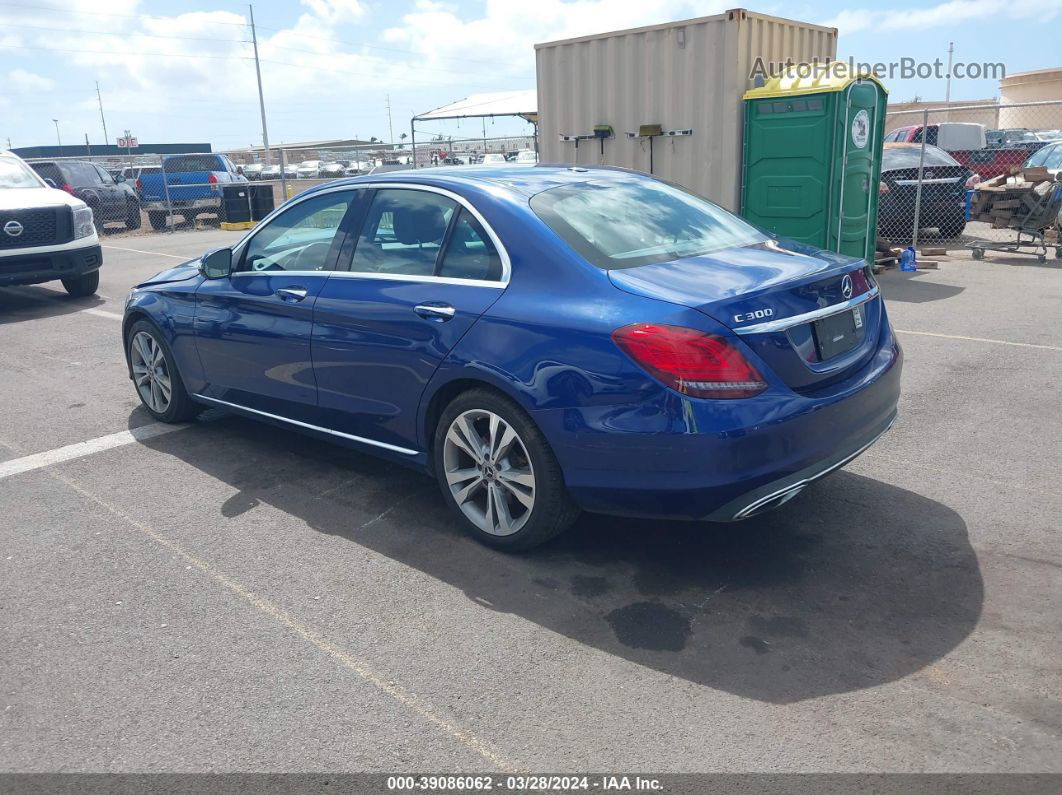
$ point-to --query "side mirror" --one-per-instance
(216, 264)
(119, 178)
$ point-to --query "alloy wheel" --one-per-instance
(489, 472)
(150, 374)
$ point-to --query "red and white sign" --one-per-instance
(128, 143)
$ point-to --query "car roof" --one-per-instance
(523, 179)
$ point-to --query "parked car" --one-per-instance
(308, 169)
(1050, 157)
(539, 342)
(1015, 136)
(357, 167)
(526, 156)
(253, 171)
(132, 176)
(192, 186)
(111, 199)
(944, 185)
(273, 171)
(333, 170)
(45, 234)
(493, 158)
(986, 152)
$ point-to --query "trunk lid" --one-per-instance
(763, 293)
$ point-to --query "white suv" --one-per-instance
(45, 233)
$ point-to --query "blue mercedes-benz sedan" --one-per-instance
(540, 339)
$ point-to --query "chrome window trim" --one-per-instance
(393, 447)
(503, 254)
(782, 324)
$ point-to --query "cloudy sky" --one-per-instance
(181, 70)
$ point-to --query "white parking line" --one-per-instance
(980, 339)
(81, 449)
(152, 253)
(103, 313)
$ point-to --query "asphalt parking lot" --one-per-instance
(230, 596)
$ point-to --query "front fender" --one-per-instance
(172, 312)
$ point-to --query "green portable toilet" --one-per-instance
(813, 158)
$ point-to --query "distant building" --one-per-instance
(101, 150)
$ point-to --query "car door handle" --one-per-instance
(437, 312)
(291, 294)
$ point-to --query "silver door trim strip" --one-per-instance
(392, 447)
(817, 314)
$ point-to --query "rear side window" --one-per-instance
(470, 253)
(193, 163)
(627, 222)
(403, 233)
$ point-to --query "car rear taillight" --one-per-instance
(68, 188)
(973, 180)
(690, 361)
(213, 179)
(883, 188)
(139, 184)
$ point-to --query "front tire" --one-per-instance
(497, 472)
(157, 220)
(953, 229)
(155, 375)
(82, 286)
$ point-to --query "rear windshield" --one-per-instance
(15, 174)
(907, 157)
(193, 163)
(638, 221)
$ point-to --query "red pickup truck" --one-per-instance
(987, 162)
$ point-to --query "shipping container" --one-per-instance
(686, 78)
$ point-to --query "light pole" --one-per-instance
(57, 137)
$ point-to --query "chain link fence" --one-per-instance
(133, 194)
(982, 176)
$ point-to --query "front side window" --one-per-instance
(403, 233)
(299, 239)
(627, 222)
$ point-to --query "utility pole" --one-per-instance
(947, 86)
(261, 96)
(390, 129)
(88, 149)
(57, 137)
(106, 139)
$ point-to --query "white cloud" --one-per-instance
(951, 13)
(21, 80)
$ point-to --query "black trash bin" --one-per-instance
(236, 203)
(262, 202)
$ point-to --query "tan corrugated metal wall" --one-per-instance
(683, 75)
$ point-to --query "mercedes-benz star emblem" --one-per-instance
(846, 286)
(13, 228)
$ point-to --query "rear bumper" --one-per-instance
(720, 460)
(49, 266)
(182, 204)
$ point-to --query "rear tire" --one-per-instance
(953, 229)
(157, 220)
(155, 376)
(132, 216)
(82, 286)
(498, 474)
